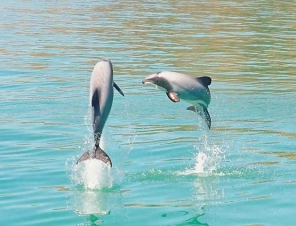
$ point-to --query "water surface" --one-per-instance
(168, 169)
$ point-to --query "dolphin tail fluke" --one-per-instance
(193, 108)
(207, 116)
(99, 154)
(85, 156)
(204, 113)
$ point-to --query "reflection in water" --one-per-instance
(91, 202)
(193, 221)
(190, 221)
(97, 202)
(205, 191)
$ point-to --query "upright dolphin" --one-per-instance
(180, 86)
(101, 98)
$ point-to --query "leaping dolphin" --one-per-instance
(180, 86)
(101, 98)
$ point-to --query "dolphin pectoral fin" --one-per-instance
(117, 88)
(101, 155)
(206, 116)
(205, 80)
(173, 96)
(95, 99)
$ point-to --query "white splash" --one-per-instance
(208, 159)
(208, 155)
(92, 174)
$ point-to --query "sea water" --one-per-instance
(168, 169)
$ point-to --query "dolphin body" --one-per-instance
(101, 98)
(180, 86)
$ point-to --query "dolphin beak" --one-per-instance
(150, 79)
(147, 82)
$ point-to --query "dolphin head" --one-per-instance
(152, 79)
(156, 79)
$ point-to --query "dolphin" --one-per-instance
(181, 86)
(101, 98)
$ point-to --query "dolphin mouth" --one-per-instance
(145, 82)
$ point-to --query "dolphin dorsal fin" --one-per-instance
(95, 99)
(205, 80)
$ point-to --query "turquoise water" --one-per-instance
(168, 169)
